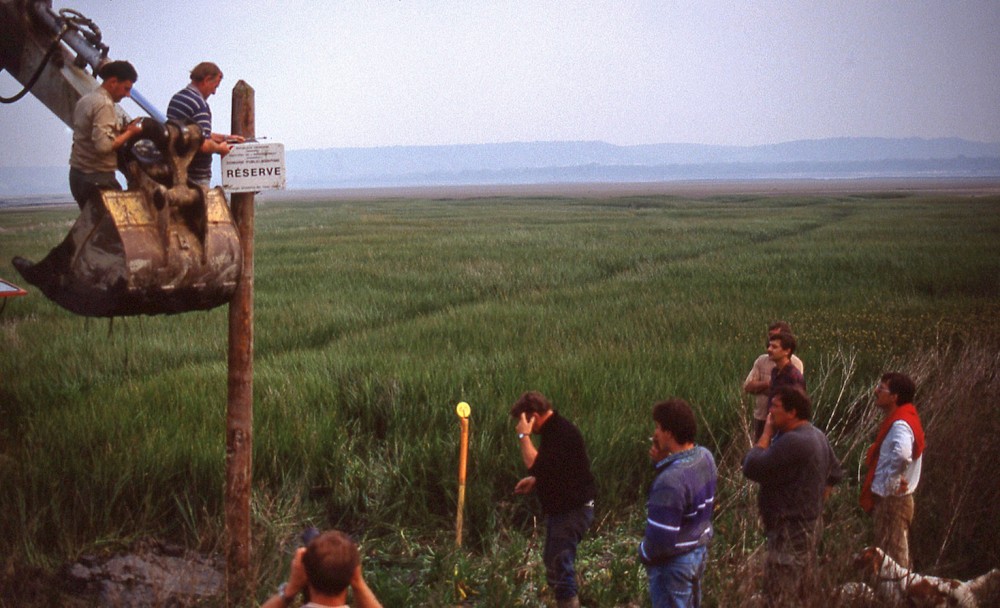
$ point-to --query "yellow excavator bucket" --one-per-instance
(150, 250)
(116, 262)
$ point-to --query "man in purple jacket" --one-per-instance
(679, 524)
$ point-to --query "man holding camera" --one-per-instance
(326, 568)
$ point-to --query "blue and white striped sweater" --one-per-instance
(680, 506)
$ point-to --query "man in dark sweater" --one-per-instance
(796, 472)
(559, 471)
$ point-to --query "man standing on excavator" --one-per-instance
(99, 130)
(191, 104)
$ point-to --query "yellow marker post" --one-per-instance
(463, 412)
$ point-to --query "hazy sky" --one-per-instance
(349, 73)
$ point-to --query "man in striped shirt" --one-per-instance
(679, 524)
(190, 104)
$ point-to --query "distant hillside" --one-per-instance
(555, 162)
(548, 162)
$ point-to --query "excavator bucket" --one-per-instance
(150, 250)
(116, 262)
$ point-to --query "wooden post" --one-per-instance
(239, 412)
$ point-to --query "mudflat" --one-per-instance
(694, 188)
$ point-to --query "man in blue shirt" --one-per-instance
(190, 104)
(681, 500)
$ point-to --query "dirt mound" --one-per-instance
(151, 573)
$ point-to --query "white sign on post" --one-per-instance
(252, 167)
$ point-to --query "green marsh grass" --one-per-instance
(372, 319)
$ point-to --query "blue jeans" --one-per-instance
(677, 583)
(563, 533)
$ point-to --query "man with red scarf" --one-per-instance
(894, 462)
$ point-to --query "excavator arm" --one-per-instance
(165, 246)
(48, 53)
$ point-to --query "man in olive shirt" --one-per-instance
(100, 128)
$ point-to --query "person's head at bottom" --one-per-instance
(330, 561)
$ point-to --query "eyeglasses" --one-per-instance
(882, 389)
